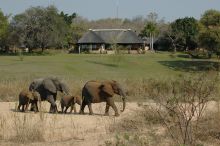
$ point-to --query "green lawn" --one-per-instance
(91, 66)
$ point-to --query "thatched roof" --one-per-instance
(110, 36)
(129, 37)
(90, 37)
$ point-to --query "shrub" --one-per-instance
(181, 104)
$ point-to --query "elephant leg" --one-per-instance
(36, 107)
(90, 108)
(62, 108)
(32, 107)
(66, 109)
(19, 107)
(112, 104)
(26, 107)
(71, 108)
(107, 109)
(82, 108)
(37, 110)
(22, 108)
(53, 106)
(74, 108)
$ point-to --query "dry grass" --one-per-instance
(146, 129)
(27, 130)
(141, 129)
(209, 129)
(9, 90)
(23, 129)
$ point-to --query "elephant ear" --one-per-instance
(35, 84)
(64, 88)
(49, 85)
(107, 88)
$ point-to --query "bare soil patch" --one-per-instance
(17, 128)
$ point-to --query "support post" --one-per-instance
(79, 49)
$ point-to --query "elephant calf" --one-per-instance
(25, 98)
(69, 101)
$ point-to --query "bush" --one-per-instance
(181, 104)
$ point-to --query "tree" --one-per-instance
(184, 32)
(68, 18)
(40, 27)
(137, 23)
(78, 27)
(209, 36)
(3, 29)
(151, 29)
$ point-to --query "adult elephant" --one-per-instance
(101, 91)
(48, 88)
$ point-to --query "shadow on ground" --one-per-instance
(59, 112)
(192, 65)
(102, 63)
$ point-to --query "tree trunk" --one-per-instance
(152, 42)
(42, 48)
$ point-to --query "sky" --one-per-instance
(97, 9)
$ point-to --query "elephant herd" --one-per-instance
(94, 91)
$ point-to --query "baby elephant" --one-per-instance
(25, 98)
(68, 100)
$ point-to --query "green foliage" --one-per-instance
(211, 18)
(68, 18)
(149, 28)
(184, 32)
(78, 27)
(3, 28)
(39, 27)
(209, 37)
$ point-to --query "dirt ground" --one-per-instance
(59, 129)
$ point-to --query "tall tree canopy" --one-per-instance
(3, 28)
(68, 18)
(78, 27)
(210, 30)
(184, 32)
(40, 27)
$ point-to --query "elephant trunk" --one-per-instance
(124, 104)
(123, 99)
(65, 89)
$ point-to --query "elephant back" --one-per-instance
(49, 85)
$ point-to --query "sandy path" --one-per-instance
(59, 129)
